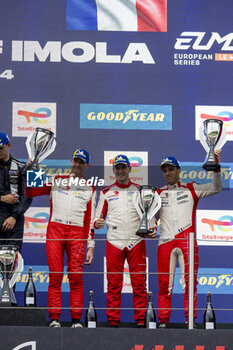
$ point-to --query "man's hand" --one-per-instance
(11, 198)
(9, 223)
(154, 233)
(100, 222)
(217, 153)
(29, 161)
(89, 256)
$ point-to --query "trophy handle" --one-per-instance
(39, 157)
(136, 200)
(156, 205)
(143, 226)
(221, 142)
(19, 268)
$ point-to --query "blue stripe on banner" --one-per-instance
(81, 15)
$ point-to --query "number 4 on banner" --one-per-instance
(7, 74)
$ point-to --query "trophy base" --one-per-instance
(211, 166)
(7, 298)
(143, 233)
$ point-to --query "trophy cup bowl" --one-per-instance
(212, 129)
(8, 263)
(146, 199)
(39, 145)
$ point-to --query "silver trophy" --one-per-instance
(212, 136)
(11, 264)
(39, 145)
(147, 203)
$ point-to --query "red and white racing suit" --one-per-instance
(177, 220)
(123, 221)
(71, 215)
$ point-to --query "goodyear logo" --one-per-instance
(214, 280)
(40, 278)
(114, 116)
(191, 171)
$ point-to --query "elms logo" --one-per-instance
(224, 113)
(113, 116)
(26, 116)
(215, 227)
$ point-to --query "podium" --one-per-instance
(23, 316)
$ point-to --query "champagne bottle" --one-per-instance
(209, 315)
(91, 317)
(30, 291)
(150, 317)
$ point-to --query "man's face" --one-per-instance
(121, 172)
(4, 152)
(171, 174)
(78, 166)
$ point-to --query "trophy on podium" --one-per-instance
(39, 145)
(147, 203)
(212, 136)
(11, 265)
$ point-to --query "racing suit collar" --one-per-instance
(123, 186)
(177, 184)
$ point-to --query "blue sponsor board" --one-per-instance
(193, 171)
(125, 116)
(213, 280)
(190, 171)
(40, 278)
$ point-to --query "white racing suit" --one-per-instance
(177, 220)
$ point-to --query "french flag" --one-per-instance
(117, 15)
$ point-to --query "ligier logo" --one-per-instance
(26, 116)
(112, 116)
(39, 220)
(224, 113)
(215, 227)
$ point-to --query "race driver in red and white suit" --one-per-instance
(71, 212)
(123, 221)
(177, 220)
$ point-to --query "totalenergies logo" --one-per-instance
(224, 223)
(135, 163)
(224, 116)
(39, 220)
(39, 115)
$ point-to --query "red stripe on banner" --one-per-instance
(152, 15)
